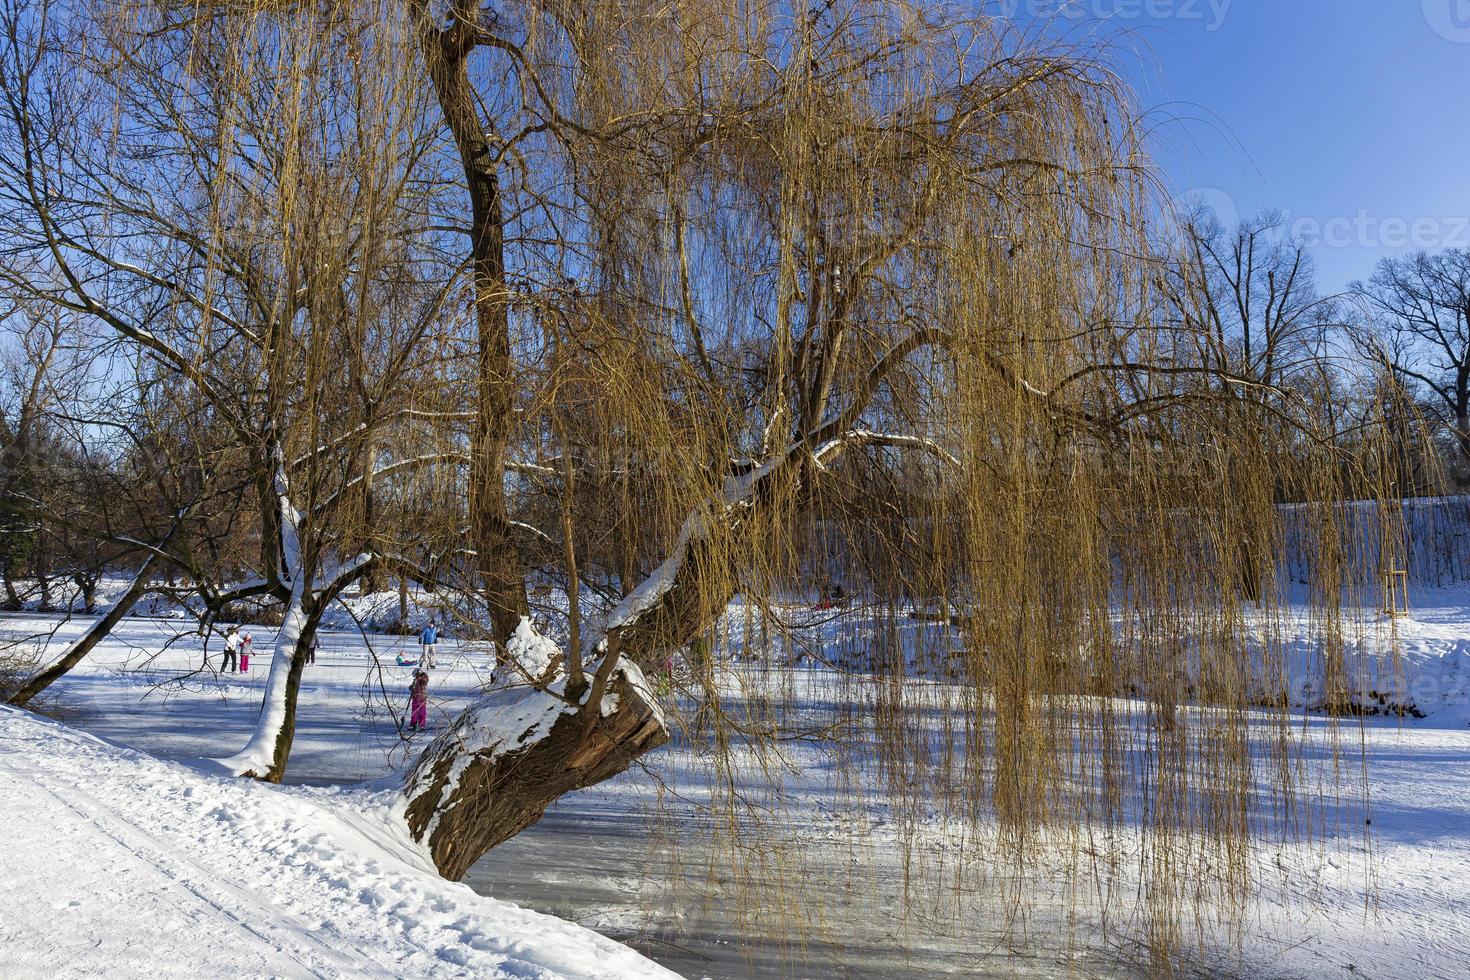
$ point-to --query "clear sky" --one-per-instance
(1351, 116)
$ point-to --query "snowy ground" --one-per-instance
(594, 861)
(120, 864)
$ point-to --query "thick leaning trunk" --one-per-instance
(509, 756)
(88, 640)
(512, 754)
(502, 762)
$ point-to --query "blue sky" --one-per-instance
(1352, 116)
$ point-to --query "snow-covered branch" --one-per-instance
(390, 469)
(340, 577)
(453, 456)
(519, 748)
(289, 567)
(365, 428)
(828, 452)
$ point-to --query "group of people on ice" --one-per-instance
(428, 645)
(239, 646)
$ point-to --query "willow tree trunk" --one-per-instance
(264, 756)
(502, 762)
(508, 756)
(445, 52)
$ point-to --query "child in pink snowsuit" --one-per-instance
(418, 701)
(247, 643)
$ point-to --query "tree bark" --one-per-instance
(502, 578)
(88, 640)
(493, 773)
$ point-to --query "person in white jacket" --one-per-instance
(232, 651)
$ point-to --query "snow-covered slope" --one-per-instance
(1417, 665)
(119, 864)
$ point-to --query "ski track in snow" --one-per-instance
(119, 864)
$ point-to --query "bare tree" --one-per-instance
(252, 338)
(1254, 291)
(1422, 303)
(1247, 296)
(35, 370)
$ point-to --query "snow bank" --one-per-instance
(380, 610)
(1427, 537)
(119, 864)
(1414, 666)
(1418, 664)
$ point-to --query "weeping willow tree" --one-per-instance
(649, 299)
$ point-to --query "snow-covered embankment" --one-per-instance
(120, 864)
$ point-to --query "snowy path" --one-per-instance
(119, 864)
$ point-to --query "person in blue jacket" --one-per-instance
(428, 639)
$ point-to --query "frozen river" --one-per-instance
(575, 864)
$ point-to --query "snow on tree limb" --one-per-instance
(290, 567)
(454, 456)
(519, 748)
(365, 428)
(260, 758)
(737, 497)
(827, 453)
